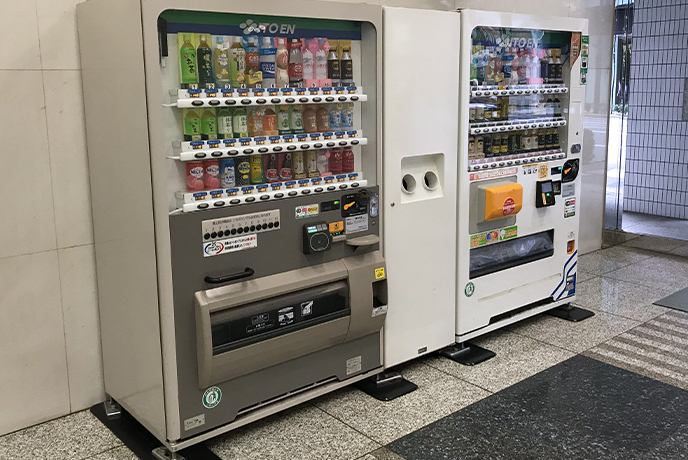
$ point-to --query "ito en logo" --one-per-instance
(212, 397)
(469, 290)
(252, 27)
(213, 248)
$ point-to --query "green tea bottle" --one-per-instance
(237, 63)
(208, 124)
(240, 123)
(224, 124)
(187, 60)
(283, 123)
(296, 120)
(221, 53)
(204, 56)
(192, 125)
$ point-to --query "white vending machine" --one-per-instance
(420, 101)
(235, 163)
(522, 87)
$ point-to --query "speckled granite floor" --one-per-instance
(539, 398)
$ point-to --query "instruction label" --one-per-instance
(240, 243)
(309, 210)
(381, 310)
(482, 239)
(543, 171)
(529, 169)
(353, 365)
(494, 173)
(356, 224)
(570, 207)
(568, 190)
(194, 422)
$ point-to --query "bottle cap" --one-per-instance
(236, 39)
(220, 39)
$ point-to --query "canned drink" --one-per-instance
(542, 139)
(299, 166)
(243, 171)
(227, 173)
(194, 176)
(496, 145)
(479, 113)
(472, 114)
(487, 145)
(504, 148)
(211, 176)
(479, 149)
(512, 148)
(312, 164)
(257, 169)
(471, 148)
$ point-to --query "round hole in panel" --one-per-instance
(430, 180)
(408, 183)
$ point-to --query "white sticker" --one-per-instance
(309, 210)
(307, 308)
(493, 173)
(570, 207)
(230, 245)
(194, 422)
(285, 316)
(568, 189)
(355, 224)
(353, 365)
(379, 310)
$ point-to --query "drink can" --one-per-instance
(504, 148)
(312, 164)
(243, 171)
(299, 166)
(194, 176)
(211, 177)
(479, 113)
(496, 145)
(227, 173)
(256, 169)
(472, 114)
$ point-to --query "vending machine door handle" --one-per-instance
(248, 271)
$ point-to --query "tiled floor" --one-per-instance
(619, 284)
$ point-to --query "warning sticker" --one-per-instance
(508, 207)
(493, 173)
(543, 171)
(379, 273)
(570, 207)
(482, 239)
(356, 224)
(353, 365)
(529, 169)
(240, 243)
(309, 210)
(568, 190)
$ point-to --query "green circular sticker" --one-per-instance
(212, 397)
(469, 290)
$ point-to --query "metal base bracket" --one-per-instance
(140, 441)
(571, 313)
(112, 409)
(467, 354)
(386, 386)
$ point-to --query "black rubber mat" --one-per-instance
(677, 300)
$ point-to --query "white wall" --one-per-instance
(49, 349)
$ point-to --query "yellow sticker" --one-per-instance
(379, 273)
(543, 171)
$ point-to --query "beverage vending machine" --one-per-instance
(522, 90)
(234, 155)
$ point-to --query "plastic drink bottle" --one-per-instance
(295, 63)
(208, 124)
(347, 160)
(255, 121)
(270, 122)
(221, 54)
(296, 120)
(267, 62)
(285, 172)
(336, 116)
(254, 78)
(348, 116)
(309, 60)
(187, 61)
(312, 164)
(283, 122)
(237, 63)
(192, 125)
(224, 124)
(323, 163)
(204, 56)
(320, 61)
(336, 157)
(299, 166)
(322, 119)
(281, 64)
(310, 123)
(240, 123)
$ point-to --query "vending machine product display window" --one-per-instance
(522, 90)
(235, 177)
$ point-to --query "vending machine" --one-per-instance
(520, 139)
(234, 154)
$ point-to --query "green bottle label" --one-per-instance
(192, 126)
(209, 127)
(188, 65)
(205, 65)
(224, 126)
(297, 122)
(240, 125)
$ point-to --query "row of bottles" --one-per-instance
(262, 169)
(508, 108)
(227, 123)
(517, 143)
(220, 61)
(511, 65)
